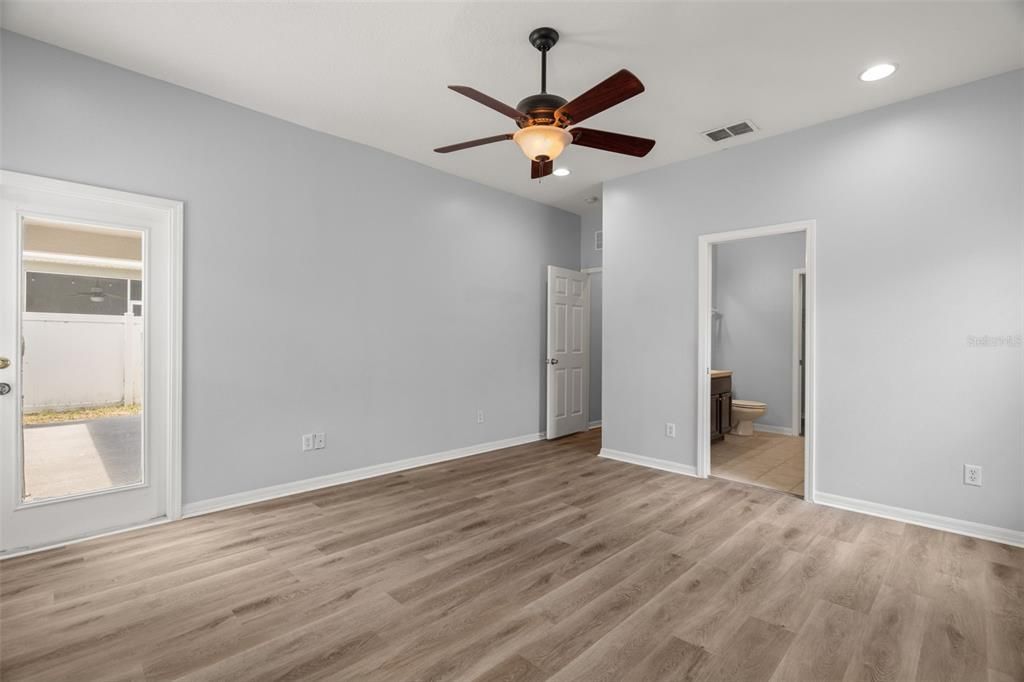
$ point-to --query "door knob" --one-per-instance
(553, 361)
(4, 363)
(5, 389)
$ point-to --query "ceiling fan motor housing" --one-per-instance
(539, 109)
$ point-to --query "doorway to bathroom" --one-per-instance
(755, 357)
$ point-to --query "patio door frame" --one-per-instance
(21, 196)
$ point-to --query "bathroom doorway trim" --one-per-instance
(798, 309)
(704, 279)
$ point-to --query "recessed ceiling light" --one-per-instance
(878, 72)
(561, 172)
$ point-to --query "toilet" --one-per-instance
(744, 412)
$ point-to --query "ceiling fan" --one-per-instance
(96, 294)
(544, 119)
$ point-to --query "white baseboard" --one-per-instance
(650, 462)
(308, 484)
(594, 425)
(74, 541)
(768, 428)
(1006, 536)
(982, 531)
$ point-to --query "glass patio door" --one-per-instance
(87, 344)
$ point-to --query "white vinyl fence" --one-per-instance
(76, 361)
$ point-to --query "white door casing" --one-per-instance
(568, 360)
(36, 524)
(799, 286)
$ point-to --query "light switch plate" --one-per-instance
(318, 441)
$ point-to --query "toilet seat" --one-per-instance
(748, 403)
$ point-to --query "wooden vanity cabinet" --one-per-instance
(721, 407)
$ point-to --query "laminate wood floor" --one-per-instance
(535, 562)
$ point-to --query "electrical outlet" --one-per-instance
(972, 474)
(479, 416)
(670, 430)
(318, 441)
(307, 442)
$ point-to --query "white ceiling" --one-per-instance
(377, 72)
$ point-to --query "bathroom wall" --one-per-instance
(753, 336)
(590, 257)
(920, 238)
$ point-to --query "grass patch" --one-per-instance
(51, 417)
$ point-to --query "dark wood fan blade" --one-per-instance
(473, 143)
(605, 95)
(539, 169)
(611, 142)
(488, 101)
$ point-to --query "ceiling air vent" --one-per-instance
(599, 240)
(741, 128)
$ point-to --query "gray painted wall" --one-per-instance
(920, 240)
(328, 286)
(753, 291)
(591, 258)
(590, 223)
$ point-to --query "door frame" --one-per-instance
(122, 207)
(590, 272)
(797, 305)
(704, 291)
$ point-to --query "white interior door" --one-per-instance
(90, 346)
(568, 361)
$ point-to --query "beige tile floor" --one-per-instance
(770, 460)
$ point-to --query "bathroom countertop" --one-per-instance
(716, 373)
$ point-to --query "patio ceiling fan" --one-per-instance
(96, 294)
(545, 119)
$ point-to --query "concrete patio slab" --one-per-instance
(77, 457)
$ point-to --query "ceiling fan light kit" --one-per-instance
(542, 143)
(544, 119)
